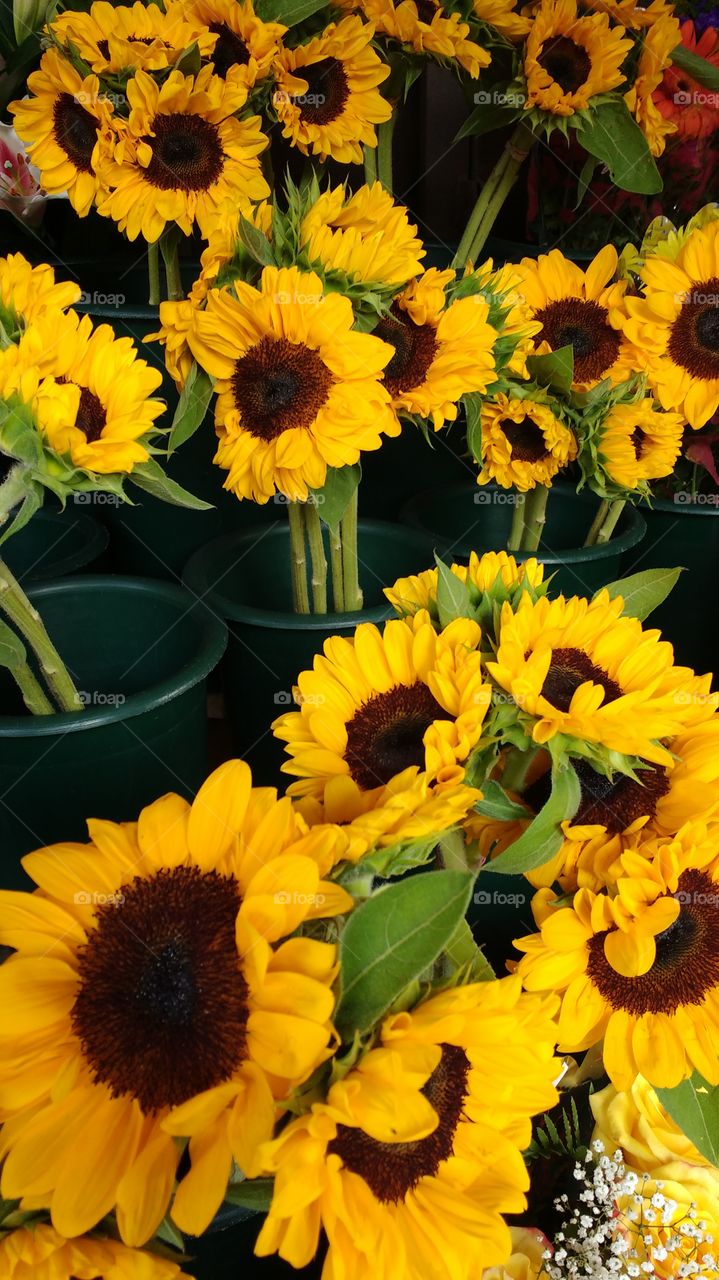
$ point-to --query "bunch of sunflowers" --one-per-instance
(248, 1000)
(77, 415)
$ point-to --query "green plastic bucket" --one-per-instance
(55, 544)
(140, 655)
(468, 517)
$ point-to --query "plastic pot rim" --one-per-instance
(569, 555)
(212, 642)
(195, 580)
(684, 508)
(96, 538)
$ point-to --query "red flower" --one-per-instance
(693, 108)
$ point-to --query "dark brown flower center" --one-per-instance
(426, 11)
(583, 326)
(569, 669)
(327, 91)
(75, 131)
(104, 45)
(385, 734)
(617, 802)
(638, 441)
(694, 341)
(566, 62)
(161, 1011)
(415, 346)
(187, 153)
(230, 50)
(526, 441)
(686, 967)
(392, 1169)
(91, 416)
(279, 385)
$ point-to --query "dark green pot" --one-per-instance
(225, 1252)
(687, 534)
(55, 544)
(245, 579)
(140, 654)
(151, 537)
(408, 464)
(468, 517)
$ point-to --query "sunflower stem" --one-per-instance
(153, 271)
(493, 195)
(16, 606)
(298, 557)
(605, 522)
(517, 528)
(385, 137)
(170, 249)
(350, 562)
(453, 851)
(535, 517)
(338, 586)
(370, 164)
(319, 559)
(33, 695)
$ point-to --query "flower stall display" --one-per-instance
(246, 1000)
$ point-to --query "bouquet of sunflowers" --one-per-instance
(278, 1003)
(77, 416)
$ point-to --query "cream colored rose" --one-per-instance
(637, 1122)
(528, 1245)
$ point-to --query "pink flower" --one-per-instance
(20, 190)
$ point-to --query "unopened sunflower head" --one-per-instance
(30, 293)
(362, 241)
(413, 1129)
(427, 29)
(178, 1001)
(657, 45)
(491, 580)
(112, 39)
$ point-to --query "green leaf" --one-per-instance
(543, 837)
(336, 493)
(495, 803)
(31, 503)
(452, 595)
(555, 369)
(585, 178)
(12, 649)
(642, 593)
(168, 1232)
(191, 408)
(473, 413)
(392, 938)
(694, 1106)
(289, 12)
(697, 67)
(190, 61)
(251, 1193)
(404, 856)
(488, 115)
(611, 134)
(256, 243)
(150, 477)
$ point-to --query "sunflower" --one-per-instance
(630, 14)
(367, 237)
(425, 28)
(638, 970)
(502, 290)
(675, 324)
(503, 16)
(327, 97)
(495, 571)
(30, 293)
(184, 155)
(89, 391)
(408, 808)
(176, 323)
(523, 443)
(113, 38)
(635, 1121)
(39, 1253)
(658, 44)
(298, 388)
(569, 60)
(385, 701)
(637, 443)
(526, 1261)
(246, 46)
(583, 310)
(415, 1155)
(63, 125)
(441, 352)
(579, 668)
(162, 1006)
